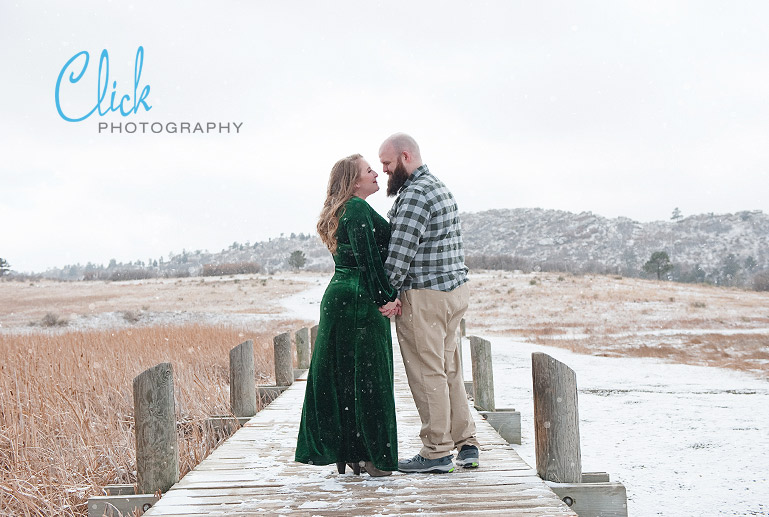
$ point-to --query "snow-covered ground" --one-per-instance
(684, 440)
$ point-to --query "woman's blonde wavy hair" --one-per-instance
(341, 187)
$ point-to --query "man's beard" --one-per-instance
(397, 178)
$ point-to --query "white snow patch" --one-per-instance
(315, 505)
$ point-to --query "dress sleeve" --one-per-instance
(360, 231)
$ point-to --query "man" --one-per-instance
(426, 266)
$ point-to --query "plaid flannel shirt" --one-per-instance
(426, 245)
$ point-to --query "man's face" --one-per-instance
(392, 165)
(397, 178)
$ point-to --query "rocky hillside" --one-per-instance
(710, 247)
(723, 249)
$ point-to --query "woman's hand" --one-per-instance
(391, 309)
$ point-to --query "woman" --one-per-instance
(348, 416)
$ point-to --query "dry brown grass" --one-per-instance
(66, 406)
(610, 315)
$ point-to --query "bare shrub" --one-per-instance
(21, 277)
(761, 281)
(51, 319)
(177, 273)
(132, 274)
(498, 262)
(558, 266)
(132, 316)
(100, 274)
(235, 268)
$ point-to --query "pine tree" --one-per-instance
(297, 260)
(659, 263)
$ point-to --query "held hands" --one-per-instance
(391, 309)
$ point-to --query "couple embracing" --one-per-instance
(412, 269)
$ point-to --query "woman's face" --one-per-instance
(366, 183)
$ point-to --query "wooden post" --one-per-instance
(157, 451)
(462, 327)
(556, 420)
(284, 360)
(302, 338)
(483, 376)
(313, 337)
(243, 380)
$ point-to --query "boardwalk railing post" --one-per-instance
(243, 380)
(483, 376)
(557, 448)
(462, 328)
(313, 337)
(284, 369)
(284, 360)
(157, 451)
(506, 421)
(556, 420)
(303, 348)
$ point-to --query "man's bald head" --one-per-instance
(401, 147)
(402, 142)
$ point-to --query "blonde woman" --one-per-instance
(348, 416)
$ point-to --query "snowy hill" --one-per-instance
(717, 248)
(724, 249)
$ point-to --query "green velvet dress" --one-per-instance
(349, 406)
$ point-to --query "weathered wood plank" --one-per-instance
(254, 472)
(594, 499)
(157, 450)
(556, 420)
(313, 338)
(284, 360)
(302, 339)
(243, 380)
(120, 505)
(483, 375)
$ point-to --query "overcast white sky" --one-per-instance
(618, 108)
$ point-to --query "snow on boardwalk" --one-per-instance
(254, 472)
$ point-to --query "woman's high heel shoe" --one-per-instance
(373, 471)
(340, 467)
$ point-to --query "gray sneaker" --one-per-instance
(420, 464)
(468, 457)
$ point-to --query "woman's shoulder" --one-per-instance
(357, 202)
(356, 207)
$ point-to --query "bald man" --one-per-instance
(426, 265)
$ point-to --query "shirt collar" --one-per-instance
(418, 172)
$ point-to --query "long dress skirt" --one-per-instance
(349, 408)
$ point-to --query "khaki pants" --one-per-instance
(427, 331)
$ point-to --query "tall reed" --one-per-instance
(66, 406)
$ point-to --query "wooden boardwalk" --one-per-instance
(254, 473)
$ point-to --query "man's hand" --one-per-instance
(391, 309)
